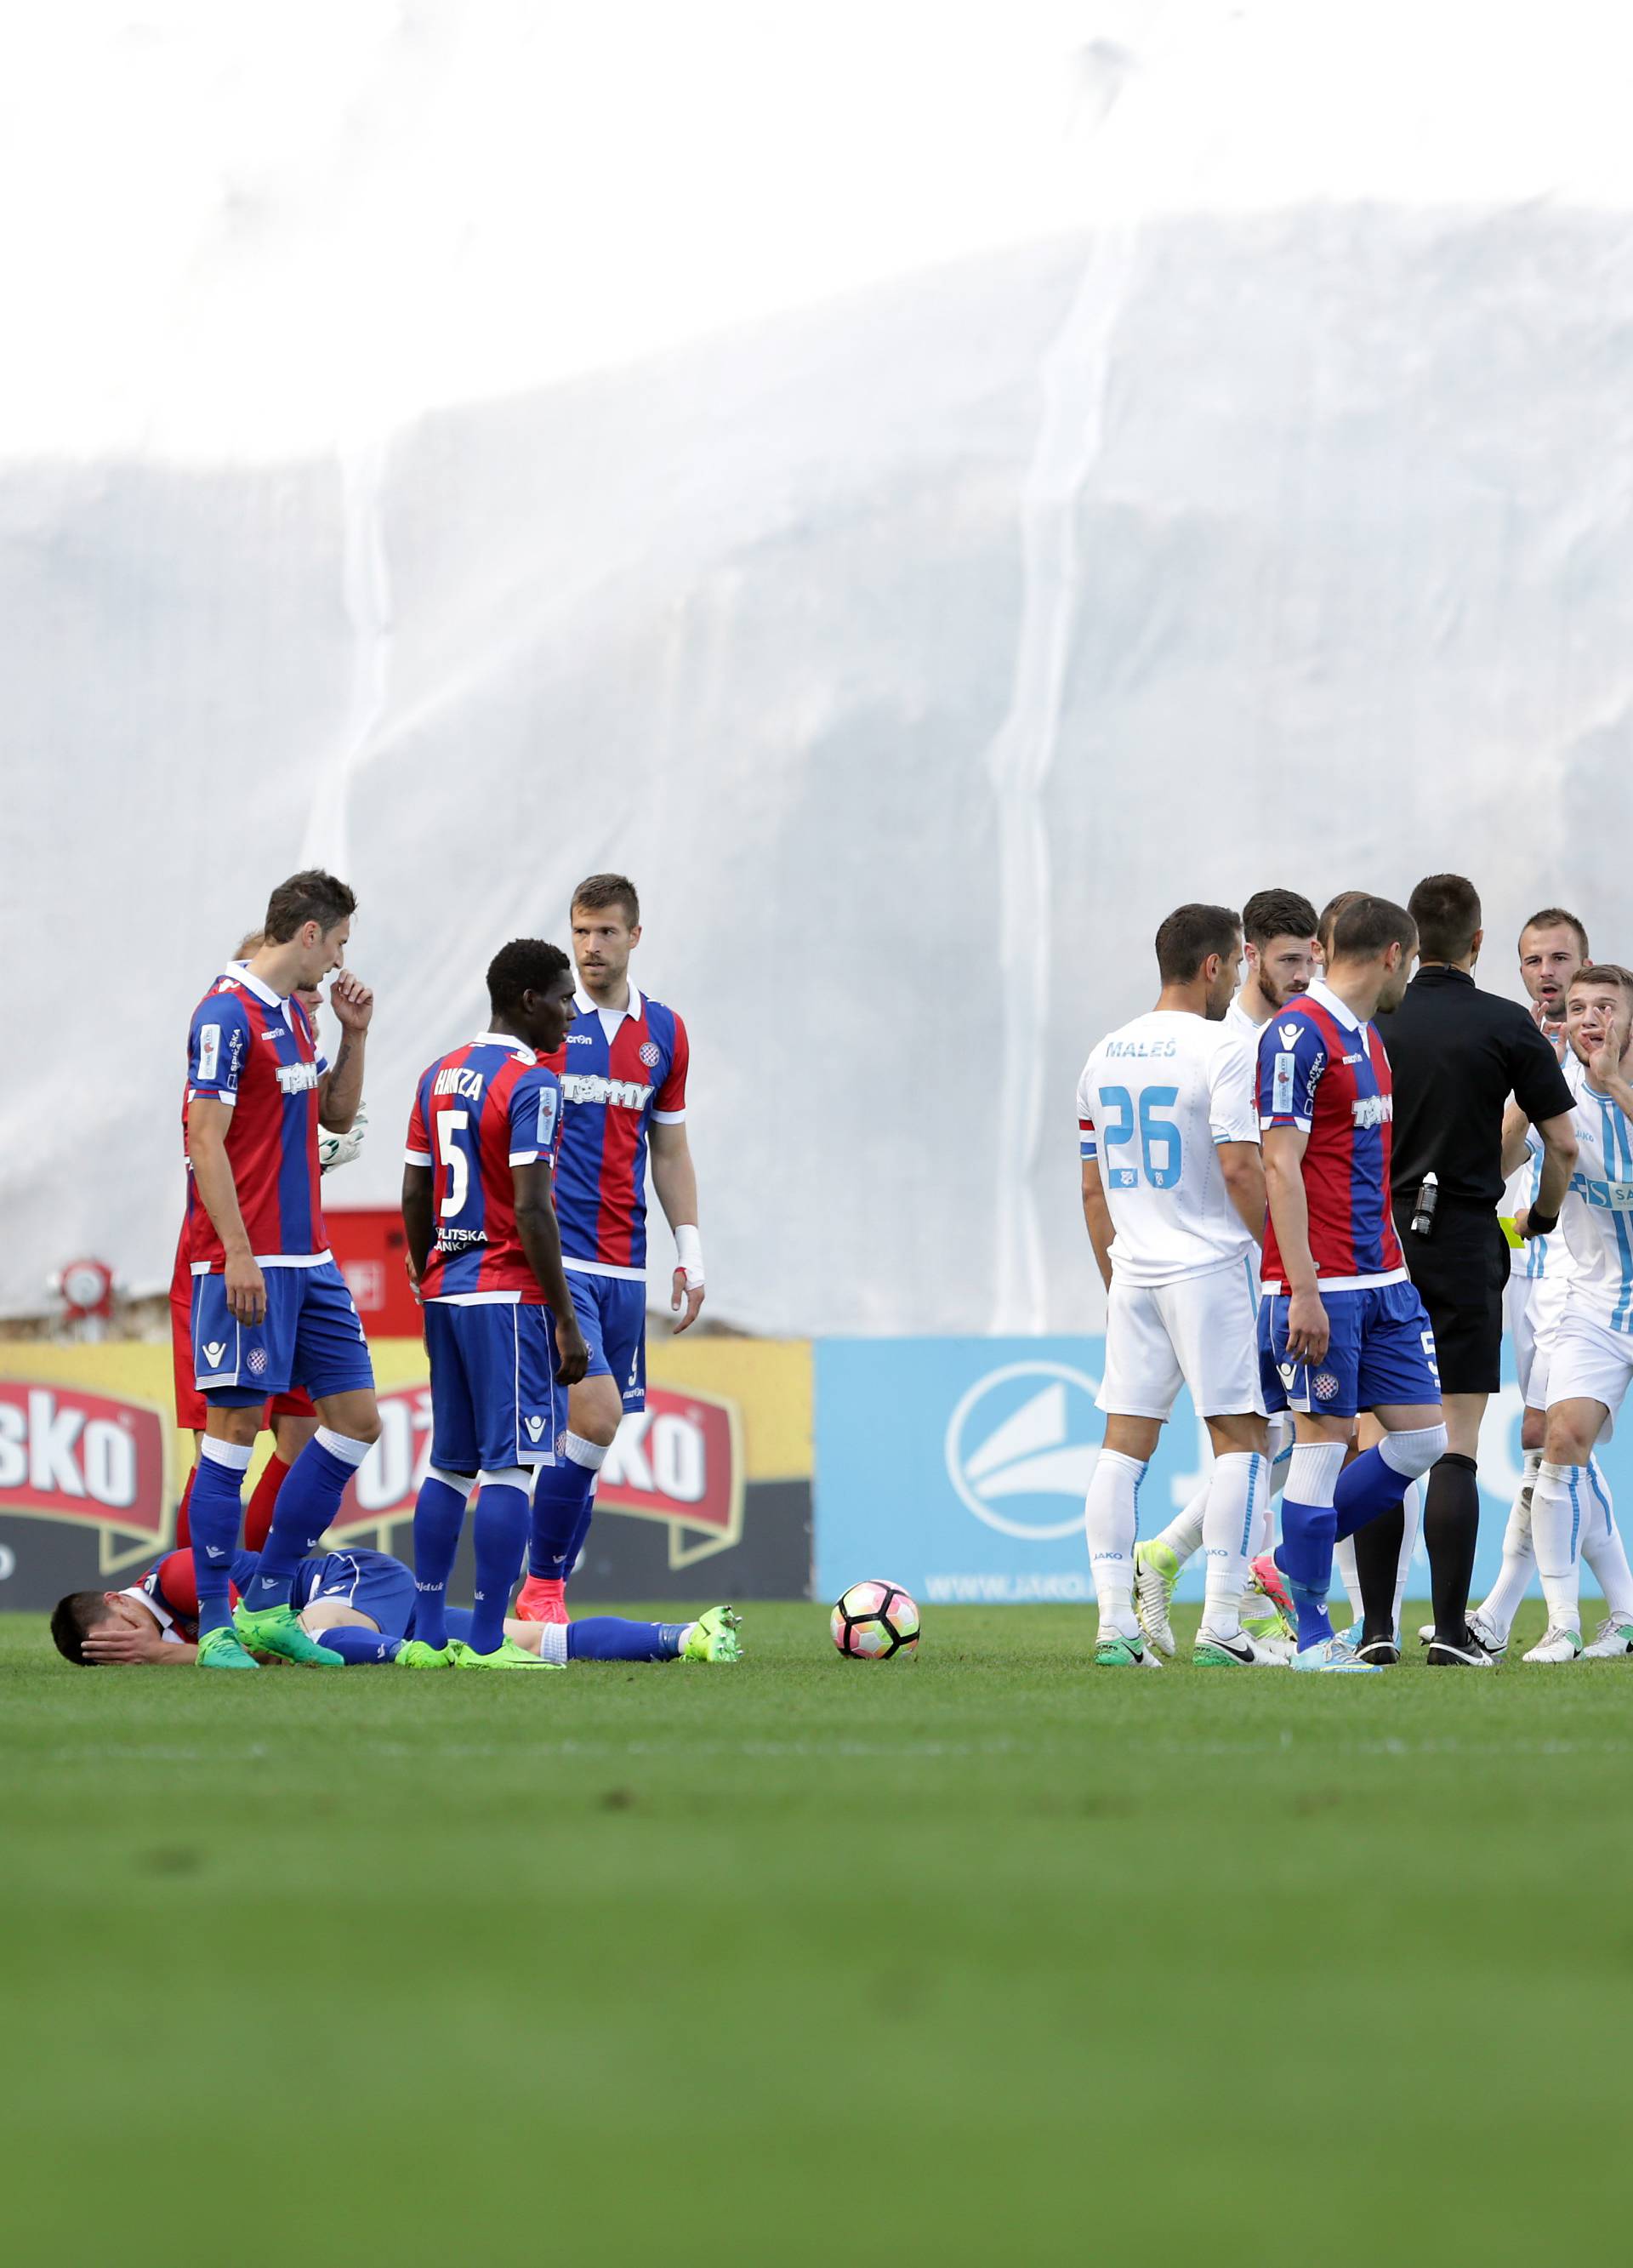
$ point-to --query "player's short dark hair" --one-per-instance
(1556, 917)
(1447, 909)
(1189, 935)
(1604, 972)
(1329, 916)
(1367, 926)
(527, 964)
(72, 1618)
(310, 895)
(1276, 913)
(599, 891)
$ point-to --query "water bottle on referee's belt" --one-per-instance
(1422, 1222)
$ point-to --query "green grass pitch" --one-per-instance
(986, 1955)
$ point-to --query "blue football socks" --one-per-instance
(499, 1532)
(605, 1638)
(438, 1516)
(307, 1503)
(215, 1509)
(1367, 1488)
(561, 1502)
(359, 1648)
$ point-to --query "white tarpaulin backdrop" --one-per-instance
(923, 505)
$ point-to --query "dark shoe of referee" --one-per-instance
(1457, 1055)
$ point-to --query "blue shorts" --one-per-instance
(495, 1401)
(311, 1335)
(1381, 1353)
(611, 1315)
(372, 1581)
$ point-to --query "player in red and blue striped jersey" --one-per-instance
(500, 1327)
(1340, 1327)
(623, 1071)
(271, 1310)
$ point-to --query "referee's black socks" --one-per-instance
(1377, 1568)
(1451, 1533)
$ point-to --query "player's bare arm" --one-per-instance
(339, 1090)
(674, 1178)
(1307, 1327)
(1242, 1165)
(419, 1224)
(1516, 1144)
(119, 1642)
(1097, 1218)
(1559, 1158)
(542, 1241)
(246, 1287)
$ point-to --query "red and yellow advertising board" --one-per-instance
(89, 1448)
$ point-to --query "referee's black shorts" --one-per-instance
(1459, 1273)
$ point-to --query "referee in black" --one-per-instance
(1457, 1055)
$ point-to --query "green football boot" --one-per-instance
(1156, 1572)
(414, 1653)
(219, 1649)
(713, 1637)
(507, 1655)
(1112, 1650)
(278, 1630)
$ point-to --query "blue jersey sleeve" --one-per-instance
(218, 1048)
(535, 1117)
(1292, 1055)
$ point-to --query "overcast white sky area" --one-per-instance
(239, 230)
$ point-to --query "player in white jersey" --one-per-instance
(1278, 927)
(1174, 1198)
(1589, 1350)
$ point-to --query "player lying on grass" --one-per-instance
(361, 1605)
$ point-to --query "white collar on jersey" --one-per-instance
(505, 1040)
(588, 1007)
(239, 971)
(1324, 996)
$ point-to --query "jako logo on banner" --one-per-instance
(1021, 1446)
(677, 1461)
(94, 1459)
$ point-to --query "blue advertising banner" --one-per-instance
(958, 1468)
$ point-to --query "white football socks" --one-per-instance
(1109, 1522)
(1603, 1548)
(1241, 1479)
(1501, 1603)
(1412, 1509)
(1556, 1521)
(1183, 1533)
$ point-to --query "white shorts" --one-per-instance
(1202, 1332)
(1532, 1309)
(1589, 1362)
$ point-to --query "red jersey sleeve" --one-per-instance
(417, 1149)
(670, 1107)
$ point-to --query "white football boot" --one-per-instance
(1557, 1644)
(1614, 1642)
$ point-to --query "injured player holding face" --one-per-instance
(360, 1605)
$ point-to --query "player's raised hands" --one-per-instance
(352, 1001)
(1604, 1061)
(681, 1296)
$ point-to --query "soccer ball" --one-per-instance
(874, 1621)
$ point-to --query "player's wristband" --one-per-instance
(688, 1251)
(1541, 1224)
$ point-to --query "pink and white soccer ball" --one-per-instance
(874, 1621)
